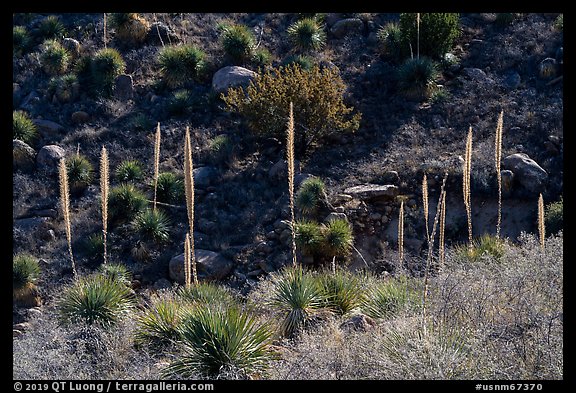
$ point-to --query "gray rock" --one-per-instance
(30, 101)
(282, 225)
(346, 27)
(48, 128)
(375, 216)
(204, 176)
(34, 312)
(335, 216)
(507, 177)
(373, 191)
(358, 322)
(124, 87)
(210, 265)
(22, 156)
(21, 326)
(160, 33)
(17, 333)
(162, 284)
(49, 157)
(80, 117)
(342, 198)
(512, 80)
(391, 177)
(280, 169)
(231, 76)
(528, 173)
(299, 178)
(477, 75)
(31, 225)
(16, 94)
(72, 46)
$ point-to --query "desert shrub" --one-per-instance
(307, 35)
(221, 150)
(317, 96)
(93, 246)
(54, 58)
(169, 188)
(304, 62)
(417, 78)
(80, 172)
(343, 291)
(297, 298)
(309, 194)
(25, 272)
(179, 103)
(98, 73)
(152, 225)
(485, 246)
(141, 122)
(554, 217)
(238, 42)
(338, 238)
(222, 342)
(438, 31)
(116, 272)
(125, 201)
(386, 298)
(50, 28)
(180, 64)
(309, 237)
(390, 40)
(130, 28)
(23, 128)
(20, 40)
(66, 87)
(206, 293)
(261, 57)
(129, 171)
(95, 299)
(504, 19)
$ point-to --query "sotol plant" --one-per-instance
(54, 58)
(180, 64)
(130, 27)
(65, 206)
(189, 192)
(497, 160)
(238, 42)
(23, 128)
(25, 273)
(466, 183)
(307, 35)
(290, 161)
(129, 171)
(434, 35)
(80, 173)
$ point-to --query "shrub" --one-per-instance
(152, 225)
(317, 96)
(141, 122)
(98, 73)
(158, 325)
(417, 77)
(262, 57)
(387, 298)
(309, 237)
(25, 272)
(311, 191)
(23, 128)
(125, 201)
(297, 297)
(225, 342)
(169, 188)
(307, 35)
(554, 217)
(131, 28)
(80, 173)
(54, 58)
(504, 19)
(129, 171)
(51, 28)
(221, 150)
(180, 64)
(93, 246)
(238, 42)
(66, 87)
(95, 299)
(338, 238)
(20, 40)
(486, 245)
(206, 293)
(343, 291)
(438, 31)
(179, 103)
(116, 272)
(390, 39)
(304, 62)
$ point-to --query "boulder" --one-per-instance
(372, 191)
(531, 176)
(346, 27)
(80, 117)
(22, 156)
(48, 128)
(507, 178)
(280, 169)
(335, 216)
(231, 76)
(160, 34)
(210, 265)
(72, 46)
(477, 75)
(124, 87)
(513, 80)
(358, 322)
(204, 176)
(49, 157)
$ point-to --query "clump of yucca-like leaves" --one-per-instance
(25, 272)
(309, 196)
(99, 72)
(170, 188)
(238, 42)
(206, 293)
(130, 27)
(222, 342)
(343, 291)
(20, 40)
(116, 272)
(54, 58)
(129, 171)
(417, 78)
(23, 128)
(125, 202)
(152, 225)
(80, 173)
(307, 34)
(180, 64)
(384, 299)
(485, 246)
(65, 87)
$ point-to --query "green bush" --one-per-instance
(93, 246)
(152, 225)
(417, 78)
(66, 88)
(309, 195)
(221, 150)
(304, 62)
(338, 238)
(116, 272)
(438, 31)
(54, 58)
(261, 57)
(309, 237)
(390, 39)
(25, 272)
(170, 188)
(297, 297)
(180, 64)
(98, 73)
(387, 298)
(307, 35)
(205, 294)
(23, 128)
(129, 171)
(554, 217)
(486, 246)
(343, 291)
(317, 95)
(222, 342)
(238, 42)
(80, 173)
(20, 40)
(130, 28)
(125, 202)
(179, 103)
(50, 28)
(95, 299)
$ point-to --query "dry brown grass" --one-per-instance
(290, 161)
(65, 205)
(104, 183)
